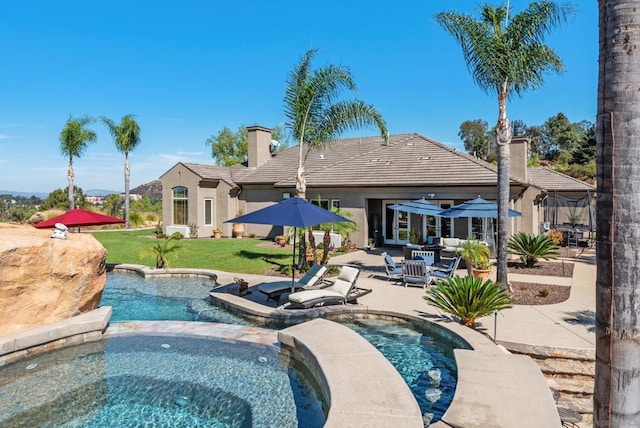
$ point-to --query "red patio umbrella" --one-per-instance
(78, 217)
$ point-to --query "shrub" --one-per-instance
(151, 217)
(530, 248)
(193, 230)
(468, 298)
(556, 236)
(135, 219)
(176, 235)
(333, 270)
(543, 292)
(285, 270)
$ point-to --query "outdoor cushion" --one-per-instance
(338, 292)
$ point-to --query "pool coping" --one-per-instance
(86, 327)
(496, 384)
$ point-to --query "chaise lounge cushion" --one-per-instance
(274, 290)
(338, 292)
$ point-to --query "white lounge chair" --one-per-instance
(343, 290)
(310, 280)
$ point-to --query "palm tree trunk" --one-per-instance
(503, 139)
(617, 379)
(127, 174)
(70, 197)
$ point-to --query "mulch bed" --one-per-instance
(528, 293)
(561, 268)
(525, 293)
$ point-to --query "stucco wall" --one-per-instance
(224, 205)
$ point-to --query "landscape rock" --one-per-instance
(36, 218)
(44, 280)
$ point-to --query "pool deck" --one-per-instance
(495, 384)
(498, 387)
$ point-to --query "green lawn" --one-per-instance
(230, 255)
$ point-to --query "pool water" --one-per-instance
(425, 362)
(157, 381)
(134, 298)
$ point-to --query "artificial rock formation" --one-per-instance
(44, 280)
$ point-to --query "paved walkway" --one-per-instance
(569, 324)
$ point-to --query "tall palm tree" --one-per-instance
(126, 137)
(73, 142)
(314, 114)
(505, 58)
(617, 233)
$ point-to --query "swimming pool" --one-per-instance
(423, 358)
(133, 297)
(157, 381)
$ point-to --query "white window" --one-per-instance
(208, 212)
(180, 205)
(326, 203)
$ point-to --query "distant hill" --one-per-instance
(153, 189)
(24, 194)
(101, 192)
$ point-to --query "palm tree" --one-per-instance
(617, 252)
(315, 117)
(126, 137)
(505, 58)
(73, 142)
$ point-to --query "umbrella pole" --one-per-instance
(293, 263)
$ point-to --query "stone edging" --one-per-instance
(361, 387)
(147, 272)
(85, 327)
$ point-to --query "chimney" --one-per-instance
(258, 146)
(518, 157)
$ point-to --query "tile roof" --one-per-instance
(212, 172)
(408, 160)
(548, 179)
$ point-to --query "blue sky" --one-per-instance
(186, 69)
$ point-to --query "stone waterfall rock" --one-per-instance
(43, 280)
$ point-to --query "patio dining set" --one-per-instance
(421, 269)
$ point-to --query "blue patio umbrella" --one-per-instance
(293, 212)
(419, 206)
(477, 207)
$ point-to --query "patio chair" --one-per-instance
(343, 290)
(415, 272)
(394, 272)
(427, 256)
(310, 280)
(444, 271)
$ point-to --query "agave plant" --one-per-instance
(468, 298)
(530, 248)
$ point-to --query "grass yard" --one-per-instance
(230, 255)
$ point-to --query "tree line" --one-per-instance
(19, 209)
(568, 147)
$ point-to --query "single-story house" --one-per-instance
(363, 176)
